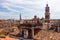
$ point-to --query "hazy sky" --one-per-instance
(11, 9)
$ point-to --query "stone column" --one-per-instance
(32, 32)
(58, 29)
(21, 31)
(25, 33)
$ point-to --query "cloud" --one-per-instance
(5, 15)
(29, 8)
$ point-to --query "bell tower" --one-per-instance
(20, 17)
(47, 13)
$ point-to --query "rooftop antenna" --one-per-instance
(47, 2)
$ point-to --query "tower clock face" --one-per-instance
(47, 9)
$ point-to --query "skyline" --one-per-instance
(11, 9)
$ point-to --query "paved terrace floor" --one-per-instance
(8, 38)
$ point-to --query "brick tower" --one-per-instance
(47, 13)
